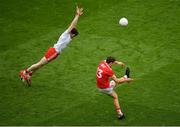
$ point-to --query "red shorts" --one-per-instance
(51, 54)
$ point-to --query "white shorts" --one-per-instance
(110, 89)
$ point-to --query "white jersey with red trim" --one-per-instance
(63, 41)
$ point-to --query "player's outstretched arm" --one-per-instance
(120, 63)
(79, 12)
(121, 80)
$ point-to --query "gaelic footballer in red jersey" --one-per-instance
(53, 52)
(103, 75)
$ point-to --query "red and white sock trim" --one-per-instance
(28, 72)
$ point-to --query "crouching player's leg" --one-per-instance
(27, 73)
(114, 83)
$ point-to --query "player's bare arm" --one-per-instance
(119, 63)
(79, 12)
(121, 80)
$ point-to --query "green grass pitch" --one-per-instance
(64, 92)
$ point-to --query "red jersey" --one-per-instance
(104, 72)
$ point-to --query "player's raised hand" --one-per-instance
(79, 11)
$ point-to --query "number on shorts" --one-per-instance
(99, 73)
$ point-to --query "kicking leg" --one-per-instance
(127, 73)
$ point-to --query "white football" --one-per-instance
(123, 21)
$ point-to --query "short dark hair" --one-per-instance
(110, 59)
(74, 31)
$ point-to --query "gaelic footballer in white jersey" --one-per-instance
(63, 41)
(54, 51)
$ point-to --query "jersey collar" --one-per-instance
(107, 64)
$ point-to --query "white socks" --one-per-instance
(125, 76)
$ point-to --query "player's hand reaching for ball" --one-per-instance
(79, 11)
